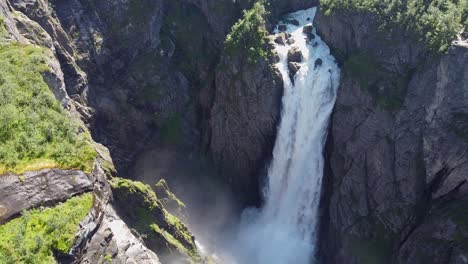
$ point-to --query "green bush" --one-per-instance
(249, 36)
(33, 237)
(435, 22)
(34, 129)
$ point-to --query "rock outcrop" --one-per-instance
(114, 242)
(244, 117)
(39, 188)
(397, 149)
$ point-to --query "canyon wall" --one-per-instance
(398, 149)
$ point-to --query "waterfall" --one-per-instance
(285, 229)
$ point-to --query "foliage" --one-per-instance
(248, 35)
(373, 78)
(33, 237)
(147, 215)
(436, 22)
(35, 131)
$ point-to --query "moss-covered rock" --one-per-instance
(162, 232)
(173, 204)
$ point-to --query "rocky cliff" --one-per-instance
(397, 149)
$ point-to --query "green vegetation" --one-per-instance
(163, 187)
(373, 78)
(33, 237)
(35, 132)
(362, 67)
(146, 214)
(249, 36)
(435, 22)
(108, 258)
(3, 31)
(171, 130)
(378, 247)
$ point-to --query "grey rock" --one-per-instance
(282, 28)
(396, 169)
(318, 62)
(39, 188)
(281, 38)
(113, 238)
(292, 22)
(294, 54)
(293, 68)
(244, 116)
(290, 41)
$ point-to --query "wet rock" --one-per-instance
(281, 38)
(315, 44)
(290, 41)
(292, 22)
(293, 68)
(294, 55)
(318, 63)
(282, 28)
(307, 30)
(170, 202)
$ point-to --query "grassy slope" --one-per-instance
(33, 237)
(35, 132)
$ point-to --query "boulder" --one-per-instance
(281, 38)
(318, 62)
(290, 41)
(282, 28)
(294, 55)
(308, 31)
(292, 22)
(293, 68)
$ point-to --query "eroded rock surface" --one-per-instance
(398, 159)
(39, 188)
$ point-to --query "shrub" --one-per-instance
(435, 22)
(35, 131)
(249, 36)
(33, 237)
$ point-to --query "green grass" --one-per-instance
(435, 22)
(33, 237)
(35, 132)
(248, 36)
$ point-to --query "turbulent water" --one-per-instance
(284, 230)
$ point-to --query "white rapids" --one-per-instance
(284, 231)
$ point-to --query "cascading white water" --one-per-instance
(284, 230)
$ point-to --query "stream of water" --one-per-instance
(285, 229)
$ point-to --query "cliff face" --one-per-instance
(397, 148)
